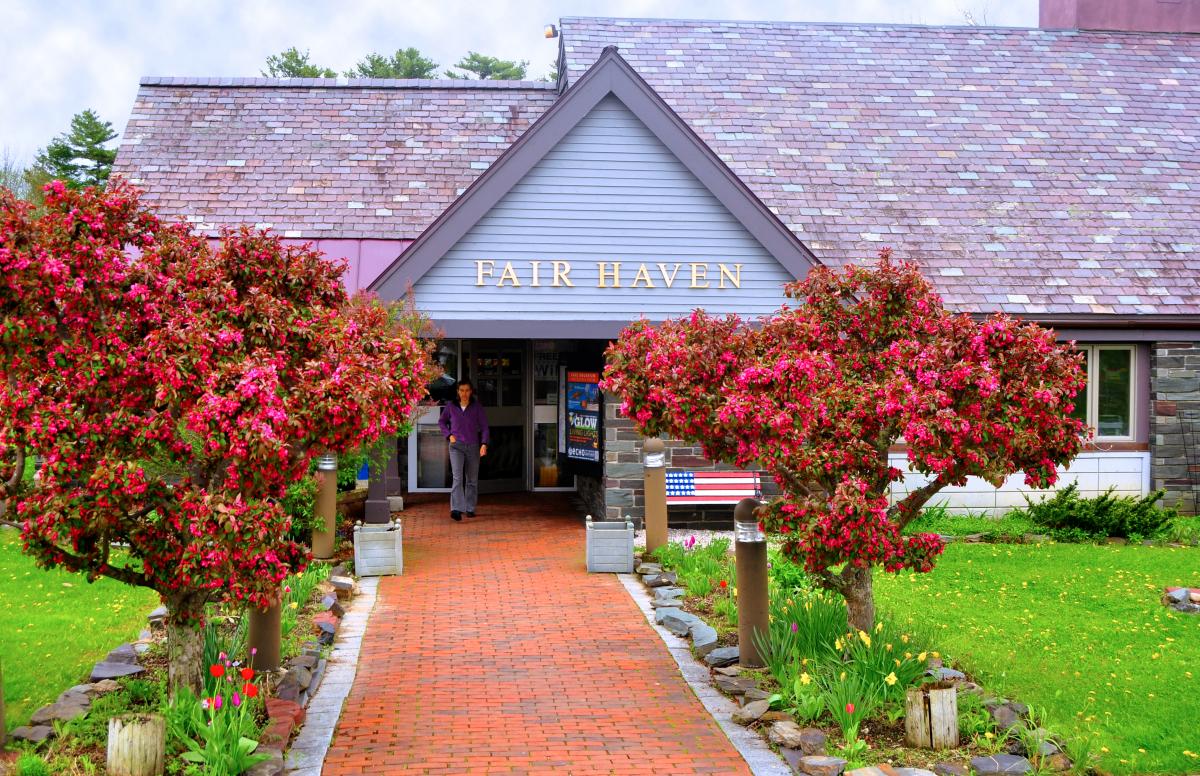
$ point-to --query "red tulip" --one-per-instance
(249, 690)
(724, 583)
(217, 670)
(247, 674)
(849, 708)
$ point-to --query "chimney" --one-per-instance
(1120, 15)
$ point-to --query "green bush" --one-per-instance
(300, 502)
(347, 471)
(32, 765)
(1069, 517)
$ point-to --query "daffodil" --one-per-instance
(879, 627)
(904, 638)
(921, 657)
(890, 679)
(805, 678)
(865, 638)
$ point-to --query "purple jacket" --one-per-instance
(469, 425)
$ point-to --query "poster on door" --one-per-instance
(583, 416)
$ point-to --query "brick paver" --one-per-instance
(497, 653)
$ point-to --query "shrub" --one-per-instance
(297, 590)
(32, 765)
(1069, 517)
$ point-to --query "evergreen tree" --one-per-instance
(488, 68)
(79, 157)
(294, 63)
(405, 63)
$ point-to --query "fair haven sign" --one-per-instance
(606, 274)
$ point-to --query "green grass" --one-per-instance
(54, 626)
(940, 521)
(1076, 629)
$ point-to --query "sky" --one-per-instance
(59, 57)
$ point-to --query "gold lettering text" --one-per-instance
(605, 274)
(561, 270)
(699, 272)
(669, 280)
(643, 277)
(735, 277)
(479, 270)
(535, 269)
(509, 274)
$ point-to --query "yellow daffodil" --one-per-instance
(904, 638)
(865, 638)
(897, 663)
(890, 679)
(908, 656)
(921, 657)
(879, 627)
(936, 654)
(843, 676)
(837, 644)
(805, 678)
(889, 647)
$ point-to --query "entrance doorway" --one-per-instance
(519, 383)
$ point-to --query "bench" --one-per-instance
(729, 487)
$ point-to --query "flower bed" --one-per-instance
(832, 691)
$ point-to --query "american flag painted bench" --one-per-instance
(689, 487)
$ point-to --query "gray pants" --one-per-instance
(464, 463)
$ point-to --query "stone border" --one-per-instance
(749, 744)
(306, 756)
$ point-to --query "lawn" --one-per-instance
(1076, 629)
(54, 626)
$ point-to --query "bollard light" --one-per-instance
(323, 537)
(655, 486)
(750, 548)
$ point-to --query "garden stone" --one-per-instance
(649, 568)
(302, 676)
(735, 685)
(343, 586)
(951, 769)
(338, 571)
(158, 616)
(1032, 538)
(1004, 716)
(1048, 748)
(1177, 595)
(122, 654)
(755, 694)
(1057, 762)
(821, 765)
(1018, 707)
(974, 538)
(65, 710)
(722, 656)
(32, 733)
(786, 733)
(1000, 763)
(728, 671)
(677, 621)
(104, 686)
(812, 741)
(141, 647)
(303, 661)
(660, 580)
(750, 713)
(269, 767)
(330, 602)
(912, 772)
(668, 592)
(704, 639)
(970, 688)
(289, 687)
(946, 674)
(107, 670)
(771, 716)
(874, 770)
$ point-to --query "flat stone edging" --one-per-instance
(749, 744)
(306, 756)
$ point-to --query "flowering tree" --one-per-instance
(818, 393)
(173, 390)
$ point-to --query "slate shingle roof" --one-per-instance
(1038, 172)
(1032, 171)
(312, 158)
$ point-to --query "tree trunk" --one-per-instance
(860, 598)
(185, 647)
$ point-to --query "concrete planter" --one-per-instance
(610, 546)
(378, 549)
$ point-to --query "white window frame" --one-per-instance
(1093, 392)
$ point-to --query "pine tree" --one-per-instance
(488, 68)
(294, 63)
(79, 157)
(405, 63)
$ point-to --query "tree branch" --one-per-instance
(911, 505)
(18, 471)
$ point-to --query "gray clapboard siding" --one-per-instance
(610, 191)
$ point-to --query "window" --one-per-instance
(1106, 404)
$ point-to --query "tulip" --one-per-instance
(217, 670)
(850, 708)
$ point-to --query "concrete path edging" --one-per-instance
(306, 756)
(749, 744)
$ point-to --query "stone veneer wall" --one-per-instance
(1175, 423)
(624, 493)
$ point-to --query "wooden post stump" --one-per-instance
(931, 717)
(137, 745)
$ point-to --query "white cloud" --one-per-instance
(58, 57)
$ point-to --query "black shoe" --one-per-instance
(470, 514)
(455, 515)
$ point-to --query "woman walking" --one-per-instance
(464, 424)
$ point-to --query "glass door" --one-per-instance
(497, 369)
(544, 432)
(428, 453)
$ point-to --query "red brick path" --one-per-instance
(497, 653)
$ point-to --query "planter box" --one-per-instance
(610, 546)
(378, 550)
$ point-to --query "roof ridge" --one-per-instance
(867, 25)
(345, 83)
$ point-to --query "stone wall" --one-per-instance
(1175, 423)
(624, 493)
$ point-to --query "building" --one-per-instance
(1049, 173)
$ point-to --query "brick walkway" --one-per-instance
(497, 653)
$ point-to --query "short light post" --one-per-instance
(266, 636)
(322, 538)
(655, 485)
(750, 549)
